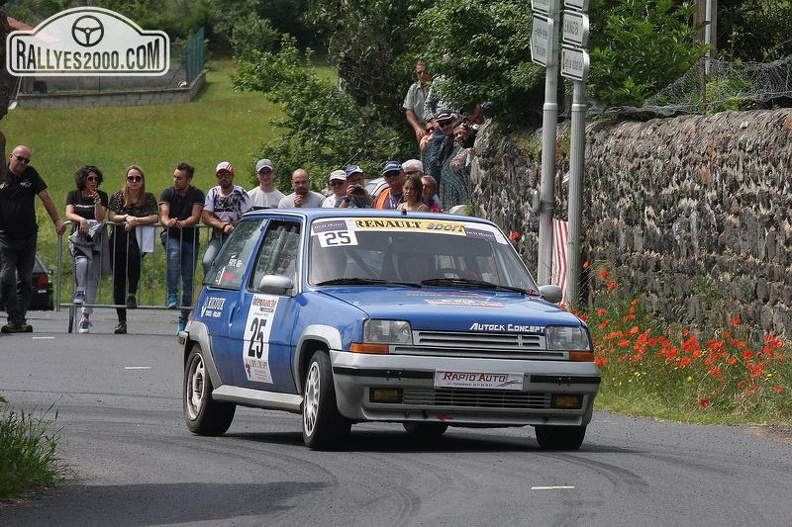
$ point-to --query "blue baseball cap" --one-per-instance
(391, 166)
(353, 169)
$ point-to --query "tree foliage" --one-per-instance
(365, 39)
(481, 47)
(638, 47)
(323, 128)
(751, 30)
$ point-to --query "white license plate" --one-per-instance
(478, 380)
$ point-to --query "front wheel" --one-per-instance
(560, 437)
(322, 426)
(203, 415)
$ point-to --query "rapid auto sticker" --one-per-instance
(255, 353)
(322, 229)
(213, 307)
(479, 380)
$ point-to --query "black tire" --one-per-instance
(560, 437)
(323, 427)
(425, 429)
(203, 415)
(72, 315)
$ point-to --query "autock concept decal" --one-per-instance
(255, 352)
(213, 307)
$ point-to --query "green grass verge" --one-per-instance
(28, 451)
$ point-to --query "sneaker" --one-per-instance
(13, 327)
(131, 302)
(120, 329)
(83, 326)
(79, 297)
(180, 326)
(172, 302)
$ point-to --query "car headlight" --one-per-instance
(567, 338)
(387, 331)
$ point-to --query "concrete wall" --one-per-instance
(694, 212)
(115, 97)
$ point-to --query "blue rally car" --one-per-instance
(353, 315)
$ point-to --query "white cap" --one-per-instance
(225, 166)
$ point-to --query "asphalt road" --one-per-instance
(132, 462)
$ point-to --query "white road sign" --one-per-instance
(574, 63)
(575, 28)
(541, 6)
(580, 5)
(542, 45)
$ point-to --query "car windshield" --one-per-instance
(414, 253)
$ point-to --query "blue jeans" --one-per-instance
(182, 261)
(18, 257)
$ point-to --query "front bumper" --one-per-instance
(355, 375)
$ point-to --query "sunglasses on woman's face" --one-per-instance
(134, 179)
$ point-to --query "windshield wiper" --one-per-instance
(352, 281)
(365, 281)
(472, 284)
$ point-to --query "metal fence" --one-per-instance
(152, 288)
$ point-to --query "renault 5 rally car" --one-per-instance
(355, 315)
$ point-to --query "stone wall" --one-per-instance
(694, 212)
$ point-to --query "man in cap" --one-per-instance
(224, 206)
(357, 197)
(265, 195)
(338, 187)
(444, 134)
(302, 196)
(391, 197)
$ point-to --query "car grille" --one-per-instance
(476, 398)
(488, 345)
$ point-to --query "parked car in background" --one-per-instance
(353, 315)
(375, 186)
(41, 297)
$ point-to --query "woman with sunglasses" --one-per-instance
(86, 207)
(130, 208)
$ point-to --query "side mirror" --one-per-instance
(551, 293)
(275, 284)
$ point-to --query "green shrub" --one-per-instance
(28, 451)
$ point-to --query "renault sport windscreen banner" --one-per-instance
(87, 41)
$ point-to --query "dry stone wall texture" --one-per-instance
(694, 213)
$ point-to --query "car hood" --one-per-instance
(454, 310)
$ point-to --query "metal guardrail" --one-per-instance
(153, 275)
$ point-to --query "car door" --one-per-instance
(264, 331)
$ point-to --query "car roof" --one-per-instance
(325, 212)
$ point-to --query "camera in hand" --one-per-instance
(357, 190)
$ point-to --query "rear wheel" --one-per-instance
(425, 429)
(203, 415)
(560, 437)
(323, 427)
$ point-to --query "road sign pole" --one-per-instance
(577, 152)
(549, 124)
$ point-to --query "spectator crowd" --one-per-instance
(436, 180)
